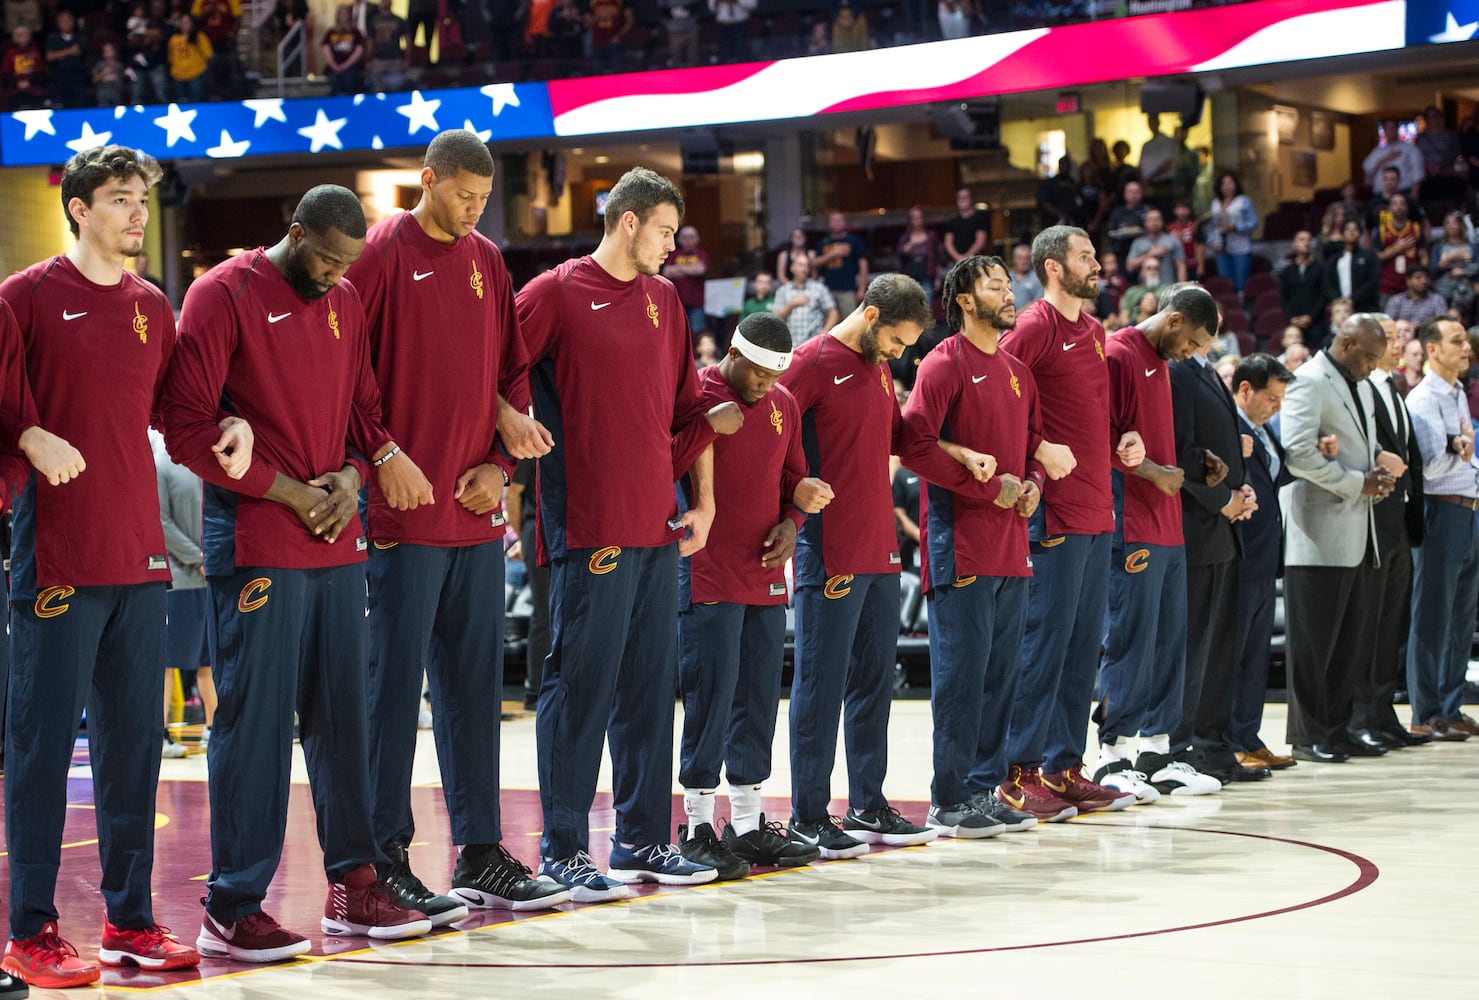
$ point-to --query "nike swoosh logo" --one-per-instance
(1057, 788)
(418, 276)
(811, 841)
(1150, 371)
(70, 315)
(597, 308)
(877, 824)
(705, 792)
(911, 480)
(978, 379)
(1014, 803)
(277, 319)
(839, 381)
(1069, 347)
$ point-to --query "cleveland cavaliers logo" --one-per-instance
(838, 587)
(1016, 384)
(963, 581)
(775, 417)
(888, 390)
(141, 324)
(652, 311)
(334, 323)
(603, 561)
(475, 282)
(53, 601)
(253, 595)
(1136, 561)
(1099, 348)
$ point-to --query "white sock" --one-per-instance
(1159, 743)
(698, 805)
(744, 808)
(1110, 753)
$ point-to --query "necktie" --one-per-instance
(1401, 427)
(1268, 447)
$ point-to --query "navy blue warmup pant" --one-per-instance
(1066, 603)
(975, 654)
(847, 640)
(285, 640)
(1144, 670)
(729, 666)
(611, 675)
(1445, 589)
(438, 609)
(1256, 596)
(101, 648)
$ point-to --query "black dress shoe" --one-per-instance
(1375, 738)
(1319, 753)
(1405, 738)
(1359, 748)
(1243, 773)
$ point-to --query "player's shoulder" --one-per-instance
(28, 280)
(385, 236)
(784, 400)
(136, 285)
(1037, 320)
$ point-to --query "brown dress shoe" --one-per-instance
(1464, 724)
(1264, 757)
(1439, 730)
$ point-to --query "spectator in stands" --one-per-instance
(1158, 164)
(1414, 357)
(107, 77)
(1399, 246)
(1453, 258)
(218, 20)
(1230, 232)
(1026, 286)
(344, 53)
(842, 262)
(1093, 200)
(919, 254)
(609, 22)
(819, 42)
(288, 15)
(1353, 275)
(1202, 191)
(796, 246)
(680, 18)
(1341, 309)
(1391, 151)
(1183, 226)
(389, 53)
(955, 17)
(705, 351)
(686, 268)
(1124, 171)
(1380, 210)
(733, 18)
(422, 16)
(1225, 366)
(23, 72)
(1419, 303)
(148, 67)
(969, 231)
(1112, 285)
(1159, 244)
(762, 294)
(1127, 219)
(804, 303)
(849, 26)
(1294, 356)
(1438, 144)
(66, 73)
(1150, 280)
(1302, 289)
(1331, 244)
(1057, 197)
(189, 56)
(565, 32)
(1188, 167)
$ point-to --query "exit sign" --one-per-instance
(1068, 104)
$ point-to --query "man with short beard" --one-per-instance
(279, 336)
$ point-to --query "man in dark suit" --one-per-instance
(1399, 528)
(1214, 497)
(1259, 385)
(1302, 290)
(1355, 273)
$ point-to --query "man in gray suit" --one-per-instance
(1331, 587)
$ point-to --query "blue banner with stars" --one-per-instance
(274, 126)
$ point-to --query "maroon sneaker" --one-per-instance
(255, 937)
(1024, 791)
(361, 905)
(147, 947)
(1072, 787)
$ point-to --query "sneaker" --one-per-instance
(255, 937)
(1024, 791)
(827, 837)
(582, 878)
(148, 948)
(13, 987)
(885, 826)
(488, 877)
(409, 892)
(423, 720)
(46, 960)
(1175, 777)
(1011, 820)
(963, 822)
(767, 846)
(1071, 786)
(205, 737)
(362, 904)
(657, 863)
(173, 750)
(1122, 776)
(705, 848)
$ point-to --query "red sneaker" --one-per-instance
(47, 961)
(1072, 787)
(1024, 791)
(148, 948)
(361, 905)
(255, 937)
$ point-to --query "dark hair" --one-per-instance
(899, 299)
(961, 281)
(1052, 244)
(1195, 304)
(1418, 268)
(330, 206)
(1258, 370)
(1237, 184)
(767, 330)
(92, 168)
(1432, 331)
(456, 150)
(640, 191)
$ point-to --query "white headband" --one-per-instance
(774, 360)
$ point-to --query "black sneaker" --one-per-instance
(706, 849)
(1012, 819)
(768, 847)
(886, 826)
(827, 837)
(10, 986)
(408, 891)
(487, 877)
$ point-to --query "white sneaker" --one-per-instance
(1132, 781)
(205, 737)
(1184, 779)
(423, 721)
(173, 750)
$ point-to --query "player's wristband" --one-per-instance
(395, 450)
